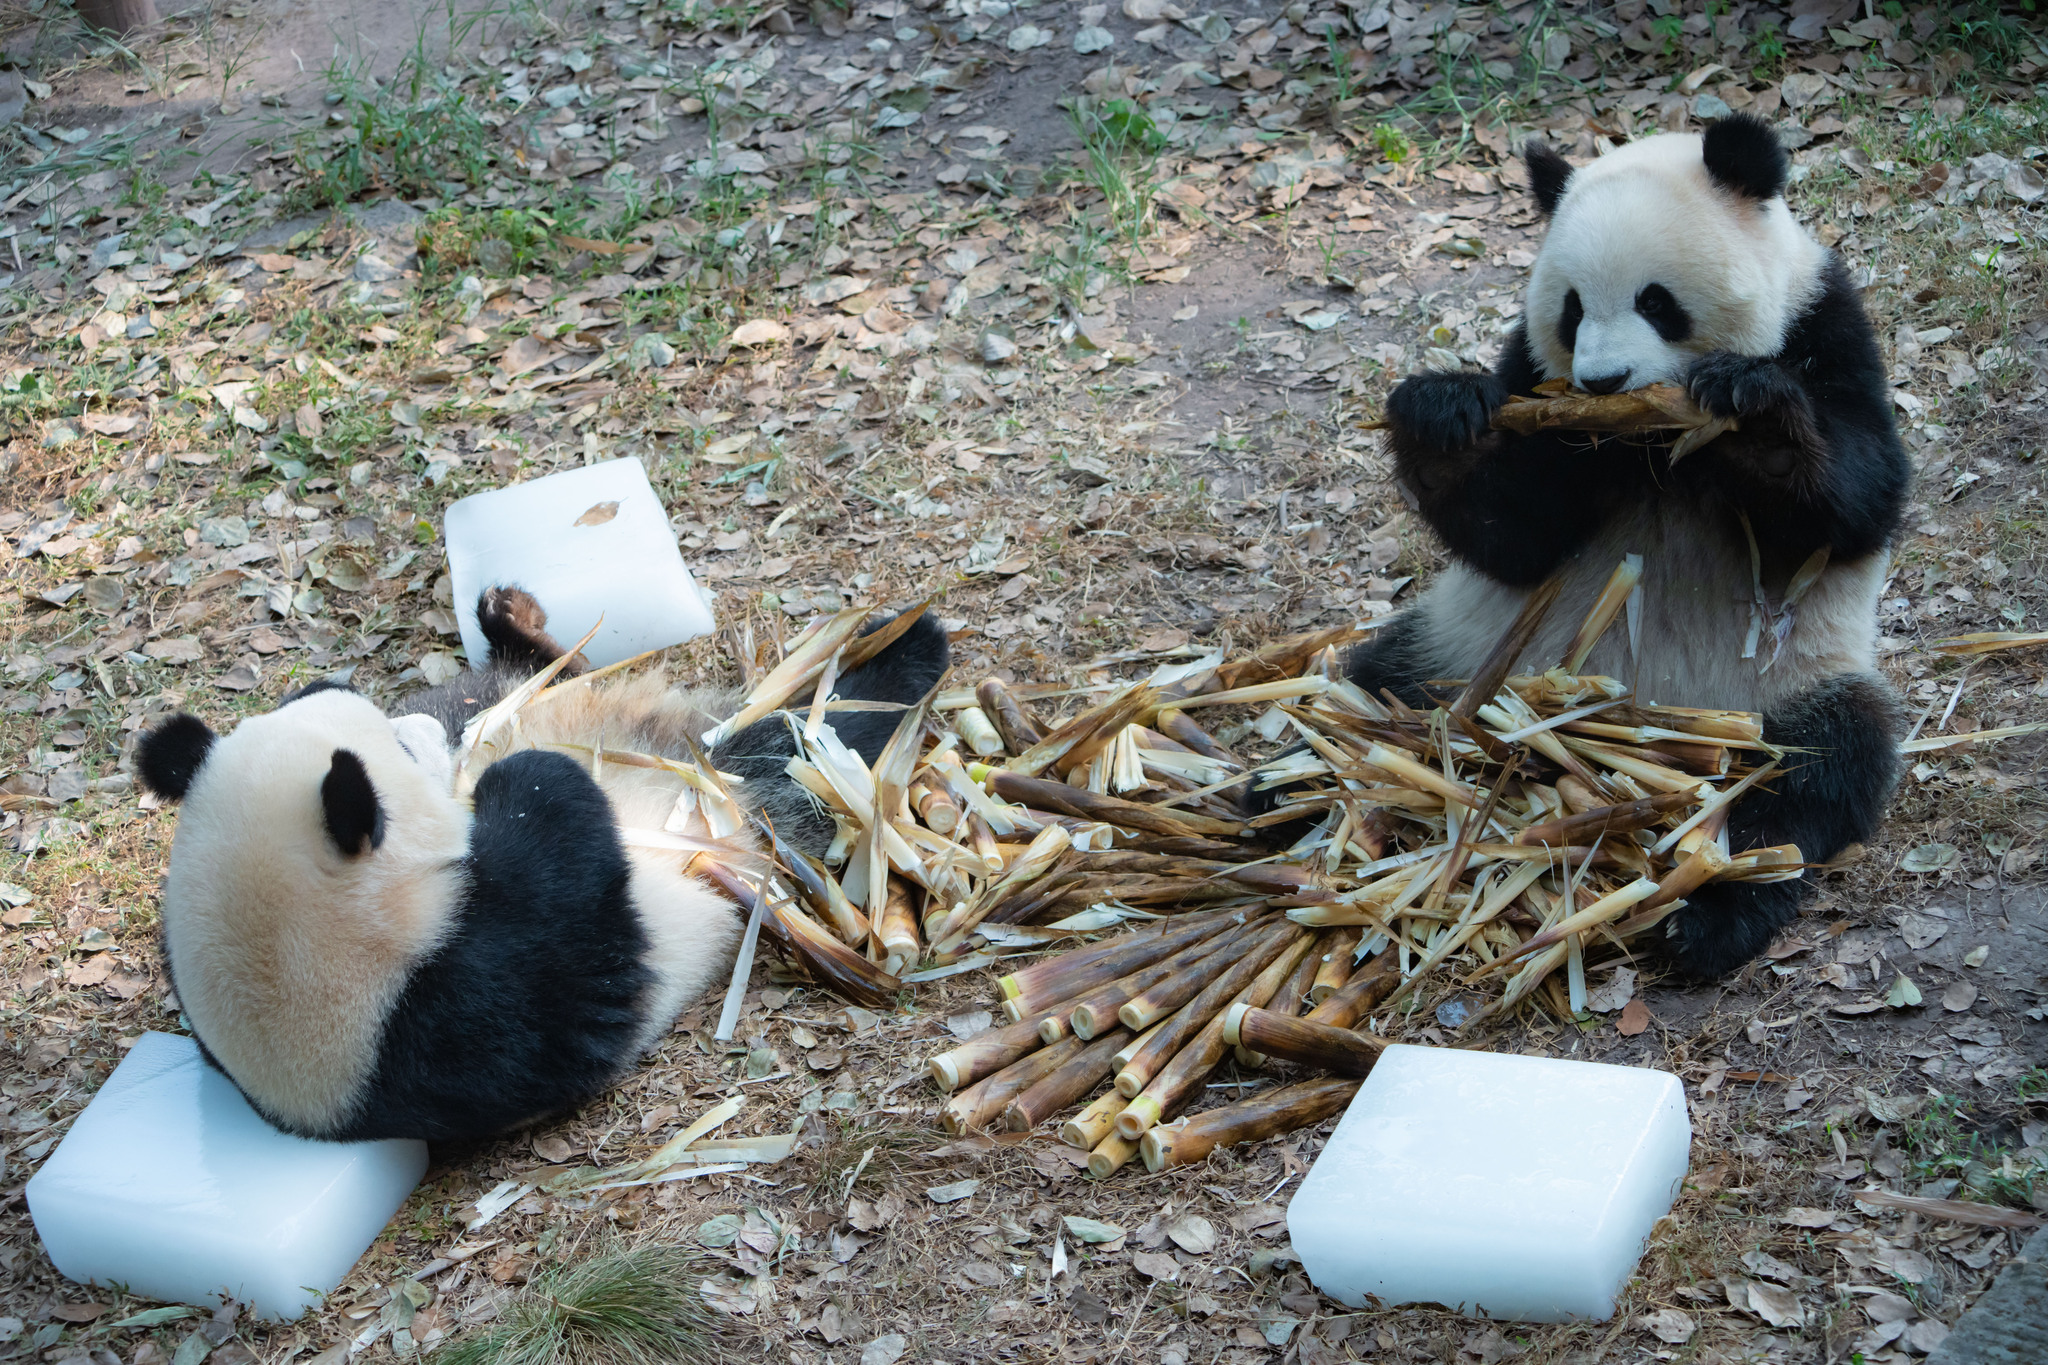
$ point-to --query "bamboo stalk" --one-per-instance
(1251, 1119)
(980, 735)
(1589, 825)
(933, 806)
(1110, 1155)
(1088, 1128)
(898, 928)
(1016, 725)
(1356, 998)
(1292, 997)
(1192, 979)
(1111, 810)
(1335, 966)
(1175, 724)
(1096, 1012)
(1057, 1089)
(1340, 1051)
(988, 1052)
(978, 1106)
(1066, 978)
(1613, 597)
(1176, 1082)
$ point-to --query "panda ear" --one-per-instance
(1548, 173)
(1744, 155)
(355, 818)
(168, 757)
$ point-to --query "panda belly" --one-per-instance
(1694, 615)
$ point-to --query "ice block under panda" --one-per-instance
(172, 1186)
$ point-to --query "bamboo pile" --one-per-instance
(1495, 847)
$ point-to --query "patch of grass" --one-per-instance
(499, 242)
(1120, 144)
(631, 1307)
(1949, 1139)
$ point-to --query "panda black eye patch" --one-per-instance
(1568, 321)
(1664, 312)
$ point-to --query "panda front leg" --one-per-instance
(1829, 793)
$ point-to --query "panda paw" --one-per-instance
(515, 626)
(1730, 385)
(1442, 413)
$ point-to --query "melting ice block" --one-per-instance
(170, 1184)
(587, 543)
(1511, 1187)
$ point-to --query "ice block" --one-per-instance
(170, 1184)
(1508, 1187)
(587, 543)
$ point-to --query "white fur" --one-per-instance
(1648, 213)
(1694, 617)
(286, 952)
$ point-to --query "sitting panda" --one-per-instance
(1675, 260)
(367, 955)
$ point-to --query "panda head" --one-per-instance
(318, 857)
(1663, 250)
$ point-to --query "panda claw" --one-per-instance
(1444, 412)
(1733, 386)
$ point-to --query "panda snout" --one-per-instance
(1606, 383)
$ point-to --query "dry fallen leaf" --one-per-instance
(759, 332)
(1635, 1017)
(598, 514)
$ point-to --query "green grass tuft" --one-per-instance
(632, 1307)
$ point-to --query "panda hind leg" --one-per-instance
(1829, 793)
(1396, 659)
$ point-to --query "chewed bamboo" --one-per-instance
(1252, 1119)
(898, 929)
(979, 733)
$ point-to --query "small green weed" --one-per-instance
(636, 1307)
(499, 242)
(1119, 142)
(1393, 144)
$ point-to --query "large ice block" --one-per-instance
(170, 1184)
(1511, 1187)
(587, 543)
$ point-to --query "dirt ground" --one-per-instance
(1068, 314)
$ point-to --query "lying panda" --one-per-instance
(368, 955)
(1675, 260)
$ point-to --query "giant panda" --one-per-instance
(1676, 260)
(367, 954)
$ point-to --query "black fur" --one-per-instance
(1743, 154)
(312, 689)
(902, 673)
(515, 628)
(1548, 174)
(534, 1002)
(167, 758)
(1827, 797)
(355, 817)
(1662, 310)
(1569, 317)
(1396, 659)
